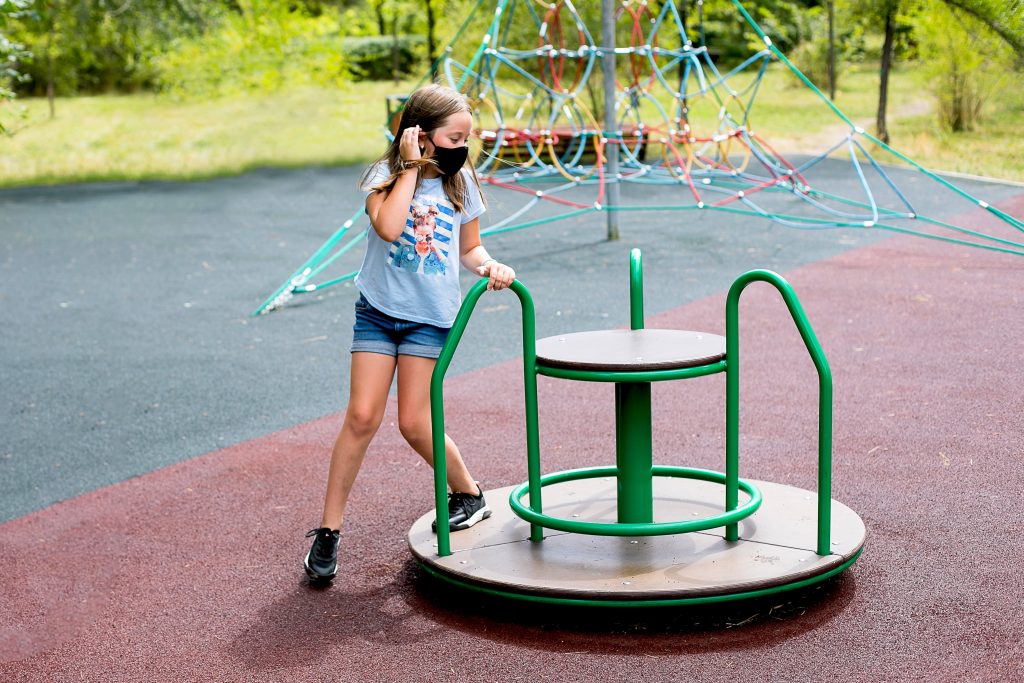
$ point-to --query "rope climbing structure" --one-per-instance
(677, 121)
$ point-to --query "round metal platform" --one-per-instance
(776, 550)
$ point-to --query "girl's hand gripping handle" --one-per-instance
(499, 275)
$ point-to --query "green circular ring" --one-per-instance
(620, 376)
(634, 529)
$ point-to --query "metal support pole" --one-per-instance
(636, 291)
(633, 452)
(611, 124)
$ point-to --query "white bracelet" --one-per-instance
(484, 263)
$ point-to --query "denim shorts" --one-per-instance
(378, 332)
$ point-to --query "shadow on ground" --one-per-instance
(417, 608)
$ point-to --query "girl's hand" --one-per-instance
(500, 276)
(409, 146)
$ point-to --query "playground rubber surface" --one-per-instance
(174, 563)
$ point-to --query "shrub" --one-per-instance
(371, 58)
(266, 46)
(964, 63)
(811, 54)
(811, 57)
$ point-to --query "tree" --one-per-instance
(431, 40)
(12, 53)
(896, 29)
(102, 45)
(964, 63)
(831, 8)
(1004, 17)
(889, 10)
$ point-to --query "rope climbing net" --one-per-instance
(678, 121)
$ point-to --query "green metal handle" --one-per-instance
(636, 291)
(437, 407)
(732, 353)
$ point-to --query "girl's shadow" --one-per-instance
(307, 622)
(659, 630)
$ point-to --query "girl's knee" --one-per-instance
(363, 421)
(414, 430)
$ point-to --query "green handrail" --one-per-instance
(636, 291)
(437, 408)
(732, 352)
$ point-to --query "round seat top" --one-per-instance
(630, 350)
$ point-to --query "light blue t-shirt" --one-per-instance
(416, 277)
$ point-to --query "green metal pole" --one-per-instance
(437, 416)
(732, 401)
(444, 547)
(636, 291)
(633, 450)
(437, 408)
(530, 387)
(732, 410)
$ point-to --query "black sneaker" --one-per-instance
(321, 561)
(465, 510)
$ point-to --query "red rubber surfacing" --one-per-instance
(193, 572)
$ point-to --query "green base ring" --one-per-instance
(654, 602)
(634, 529)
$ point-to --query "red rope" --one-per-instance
(511, 186)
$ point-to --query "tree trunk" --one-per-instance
(396, 64)
(378, 9)
(831, 49)
(883, 86)
(431, 46)
(681, 7)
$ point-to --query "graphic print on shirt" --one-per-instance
(424, 244)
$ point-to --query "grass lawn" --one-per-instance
(147, 136)
(153, 137)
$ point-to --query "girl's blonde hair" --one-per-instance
(429, 107)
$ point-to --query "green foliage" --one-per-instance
(811, 55)
(964, 63)
(99, 45)
(372, 58)
(1005, 18)
(866, 18)
(11, 52)
(268, 44)
(732, 39)
(11, 55)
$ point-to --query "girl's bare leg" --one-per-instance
(414, 420)
(368, 396)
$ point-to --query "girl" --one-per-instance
(424, 204)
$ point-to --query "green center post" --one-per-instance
(633, 444)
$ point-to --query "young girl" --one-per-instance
(424, 204)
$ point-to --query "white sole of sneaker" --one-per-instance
(478, 516)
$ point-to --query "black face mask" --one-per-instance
(450, 159)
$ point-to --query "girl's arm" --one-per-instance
(475, 257)
(388, 212)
